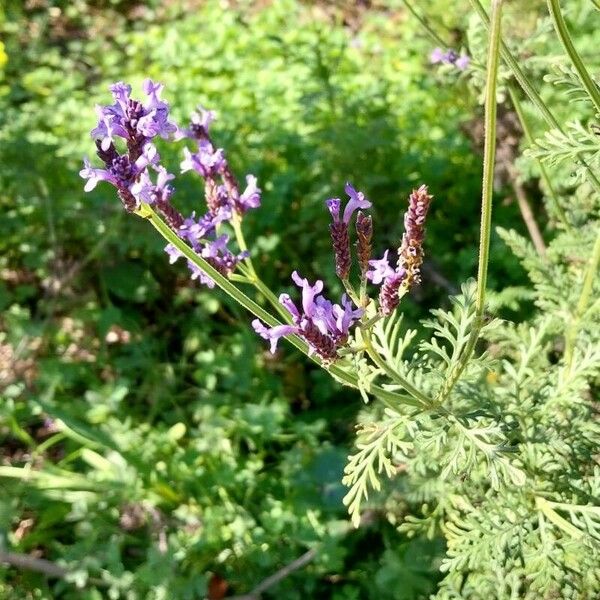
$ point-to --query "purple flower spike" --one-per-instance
(323, 325)
(357, 200)
(272, 334)
(410, 253)
(380, 269)
(389, 295)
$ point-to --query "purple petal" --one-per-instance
(380, 269)
(436, 56)
(333, 206)
(308, 292)
(251, 195)
(272, 334)
(288, 304)
(357, 200)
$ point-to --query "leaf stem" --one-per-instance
(489, 156)
(426, 402)
(530, 91)
(516, 102)
(423, 21)
(563, 33)
(584, 298)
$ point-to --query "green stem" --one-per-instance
(427, 402)
(489, 156)
(565, 38)
(253, 277)
(433, 34)
(530, 91)
(584, 298)
(543, 172)
(391, 399)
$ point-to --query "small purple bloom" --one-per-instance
(203, 117)
(250, 198)
(333, 206)
(208, 162)
(288, 304)
(449, 57)
(436, 56)
(381, 269)
(173, 253)
(308, 292)
(357, 200)
(93, 175)
(462, 62)
(346, 315)
(198, 273)
(274, 333)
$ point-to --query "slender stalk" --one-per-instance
(526, 212)
(584, 298)
(253, 277)
(563, 33)
(594, 93)
(520, 76)
(395, 377)
(530, 91)
(560, 213)
(433, 34)
(489, 157)
(390, 399)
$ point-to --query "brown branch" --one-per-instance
(272, 580)
(40, 565)
(527, 213)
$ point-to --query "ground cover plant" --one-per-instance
(154, 448)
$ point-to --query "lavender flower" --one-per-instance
(339, 228)
(221, 186)
(449, 57)
(410, 254)
(364, 234)
(389, 295)
(137, 124)
(323, 325)
(208, 162)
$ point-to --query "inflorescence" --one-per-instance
(125, 136)
(449, 57)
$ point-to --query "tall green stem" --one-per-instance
(487, 189)
(390, 399)
(395, 377)
(594, 93)
(425, 24)
(531, 92)
(560, 213)
(563, 33)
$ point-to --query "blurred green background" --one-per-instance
(148, 443)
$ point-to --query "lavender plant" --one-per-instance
(493, 424)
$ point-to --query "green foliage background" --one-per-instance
(146, 437)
